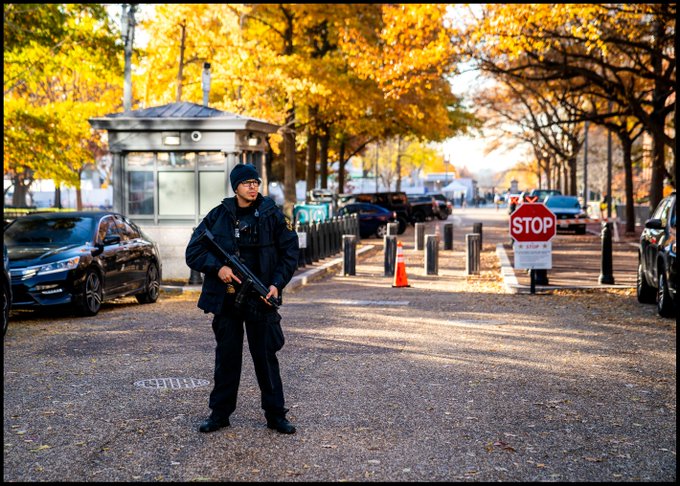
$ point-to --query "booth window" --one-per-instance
(170, 185)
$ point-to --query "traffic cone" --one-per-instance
(400, 279)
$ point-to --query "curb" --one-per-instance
(296, 282)
(512, 286)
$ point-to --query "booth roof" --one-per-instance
(183, 109)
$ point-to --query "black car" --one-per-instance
(6, 290)
(373, 219)
(657, 275)
(81, 259)
(396, 201)
(429, 206)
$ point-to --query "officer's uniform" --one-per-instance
(266, 242)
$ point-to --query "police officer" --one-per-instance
(253, 227)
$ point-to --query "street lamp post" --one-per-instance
(609, 169)
(585, 168)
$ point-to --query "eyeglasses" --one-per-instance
(251, 183)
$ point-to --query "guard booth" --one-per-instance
(171, 166)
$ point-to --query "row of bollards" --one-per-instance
(321, 239)
(473, 246)
(430, 245)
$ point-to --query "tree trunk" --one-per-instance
(397, 165)
(341, 166)
(310, 163)
(289, 177)
(572, 176)
(626, 146)
(57, 196)
(324, 140)
(20, 191)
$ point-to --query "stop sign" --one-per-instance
(532, 222)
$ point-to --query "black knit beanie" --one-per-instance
(242, 172)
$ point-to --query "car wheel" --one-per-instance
(664, 302)
(152, 286)
(645, 293)
(91, 299)
(381, 231)
(6, 302)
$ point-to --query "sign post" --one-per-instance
(532, 226)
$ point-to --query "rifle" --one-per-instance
(248, 278)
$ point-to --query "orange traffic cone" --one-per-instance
(400, 279)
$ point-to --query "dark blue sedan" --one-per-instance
(372, 219)
(81, 259)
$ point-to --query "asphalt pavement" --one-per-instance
(454, 378)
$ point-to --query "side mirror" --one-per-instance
(111, 240)
(654, 224)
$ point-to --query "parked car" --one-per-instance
(80, 259)
(429, 206)
(657, 275)
(423, 207)
(392, 201)
(6, 290)
(567, 207)
(441, 198)
(373, 219)
(540, 193)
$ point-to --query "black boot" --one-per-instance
(278, 422)
(211, 424)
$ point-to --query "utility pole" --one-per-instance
(183, 26)
(128, 31)
(585, 168)
(610, 201)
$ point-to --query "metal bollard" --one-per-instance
(419, 231)
(477, 228)
(606, 267)
(392, 229)
(431, 255)
(390, 255)
(308, 248)
(472, 253)
(349, 249)
(448, 236)
(314, 233)
(195, 277)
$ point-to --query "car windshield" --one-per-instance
(562, 202)
(54, 230)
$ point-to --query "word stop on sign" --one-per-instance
(535, 225)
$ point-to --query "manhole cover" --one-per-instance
(172, 383)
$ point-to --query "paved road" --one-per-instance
(450, 379)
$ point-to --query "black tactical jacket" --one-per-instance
(278, 249)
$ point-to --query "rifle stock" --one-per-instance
(247, 277)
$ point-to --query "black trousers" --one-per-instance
(265, 338)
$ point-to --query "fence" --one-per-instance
(321, 239)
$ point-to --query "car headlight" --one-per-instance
(60, 266)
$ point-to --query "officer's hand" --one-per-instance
(273, 292)
(226, 275)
